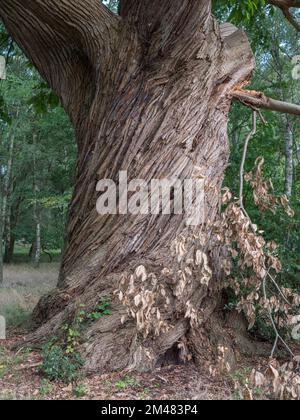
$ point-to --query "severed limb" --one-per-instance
(257, 100)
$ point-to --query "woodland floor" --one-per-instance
(21, 376)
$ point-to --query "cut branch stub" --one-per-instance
(257, 100)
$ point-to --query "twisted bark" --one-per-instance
(149, 92)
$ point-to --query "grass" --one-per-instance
(8, 363)
(46, 388)
(21, 254)
(22, 288)
(126, 382)
(12, 370)
(80, 391)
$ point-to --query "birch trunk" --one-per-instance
(37, 250)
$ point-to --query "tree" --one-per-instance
(5, 195)
(30, 109)
(148, 91)
(273, 75)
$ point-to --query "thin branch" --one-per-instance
(285, 6)
(242, 168)
(241, 198)
(30, 366)
(290, 18)
(274, 347)
(279, 289)
(278, 336)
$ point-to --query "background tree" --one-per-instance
(32, 111)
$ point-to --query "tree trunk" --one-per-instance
(36, 256)
(6, 192)
(156, 105)
(9, 249)
(48, 254)
(12, 222)
(37, 248)
(289, 158)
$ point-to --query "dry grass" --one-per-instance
(23, 286)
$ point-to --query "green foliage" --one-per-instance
(251, 15)
(80, 391)
(61, 359)
(4, 39)
(241, 376)
(46, 388)
(101, 310)
(275, 42)
(28, 108)
(59, 365)
(43, 99)
(72, 332)
(243, 11)
(127, 382)
(4, 115)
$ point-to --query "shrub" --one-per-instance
(59, 365)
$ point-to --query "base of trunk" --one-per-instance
(111, 344)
